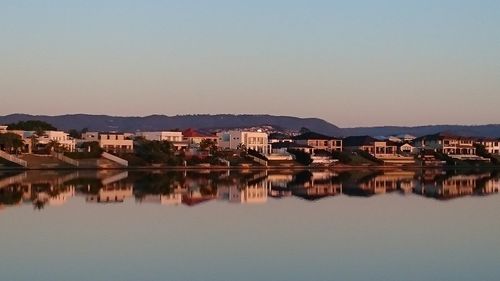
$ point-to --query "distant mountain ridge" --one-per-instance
(225, 121)
(163, 122)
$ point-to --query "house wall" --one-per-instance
(61, 137)
(252, 140)
(329, 145)
(450, 146)
(115, 143)
(162, 136)
(493, 146)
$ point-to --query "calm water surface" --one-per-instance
(363, 225)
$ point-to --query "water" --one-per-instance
(283, 225)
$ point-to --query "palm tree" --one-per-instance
(53, 145)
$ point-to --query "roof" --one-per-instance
(192, 133)
(312, 136)
(359, 141)
(365, 140)
(442, 135)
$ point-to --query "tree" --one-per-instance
(55, 146)
(208, 145)
(302, 157)
(481, 151)
(11, 142)
(243, 149)
(155, 151)
(32, 125)
(75, 134)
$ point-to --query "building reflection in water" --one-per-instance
(443, 186)
(55, 188)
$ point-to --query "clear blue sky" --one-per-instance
(349, 62)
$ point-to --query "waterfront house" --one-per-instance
(319, 141)
(174, 137)
(377, 148)
(491, 145)
(62, 138)
(406, 148)
(171, 136)
(235, 139)
(194, 137)
(115, 143)
(458, 147)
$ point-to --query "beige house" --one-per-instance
(491, 145)
(319, 141)
(115, 143)
(377, 148)
(251, 140)
(455, 146)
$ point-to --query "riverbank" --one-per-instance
(259, 167)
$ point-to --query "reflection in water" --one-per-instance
(54, 188)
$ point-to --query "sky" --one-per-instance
(352, 63)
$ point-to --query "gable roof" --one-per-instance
(442, 135)
(312, 136)
(192, 133)
(359, 141)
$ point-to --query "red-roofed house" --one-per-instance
(195, 137)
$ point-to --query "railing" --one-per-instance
(258, 160)
(13, 159)
(115, 159)
(65, 159)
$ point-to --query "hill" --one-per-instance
(163, 122)
(228, 121)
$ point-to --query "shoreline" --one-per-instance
(243, 168)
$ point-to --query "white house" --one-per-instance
(406, 148)
(3, 129)
(161, 136)
(251, 140)
(174, 137)
(60, 137)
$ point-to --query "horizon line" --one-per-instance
(247, 114)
